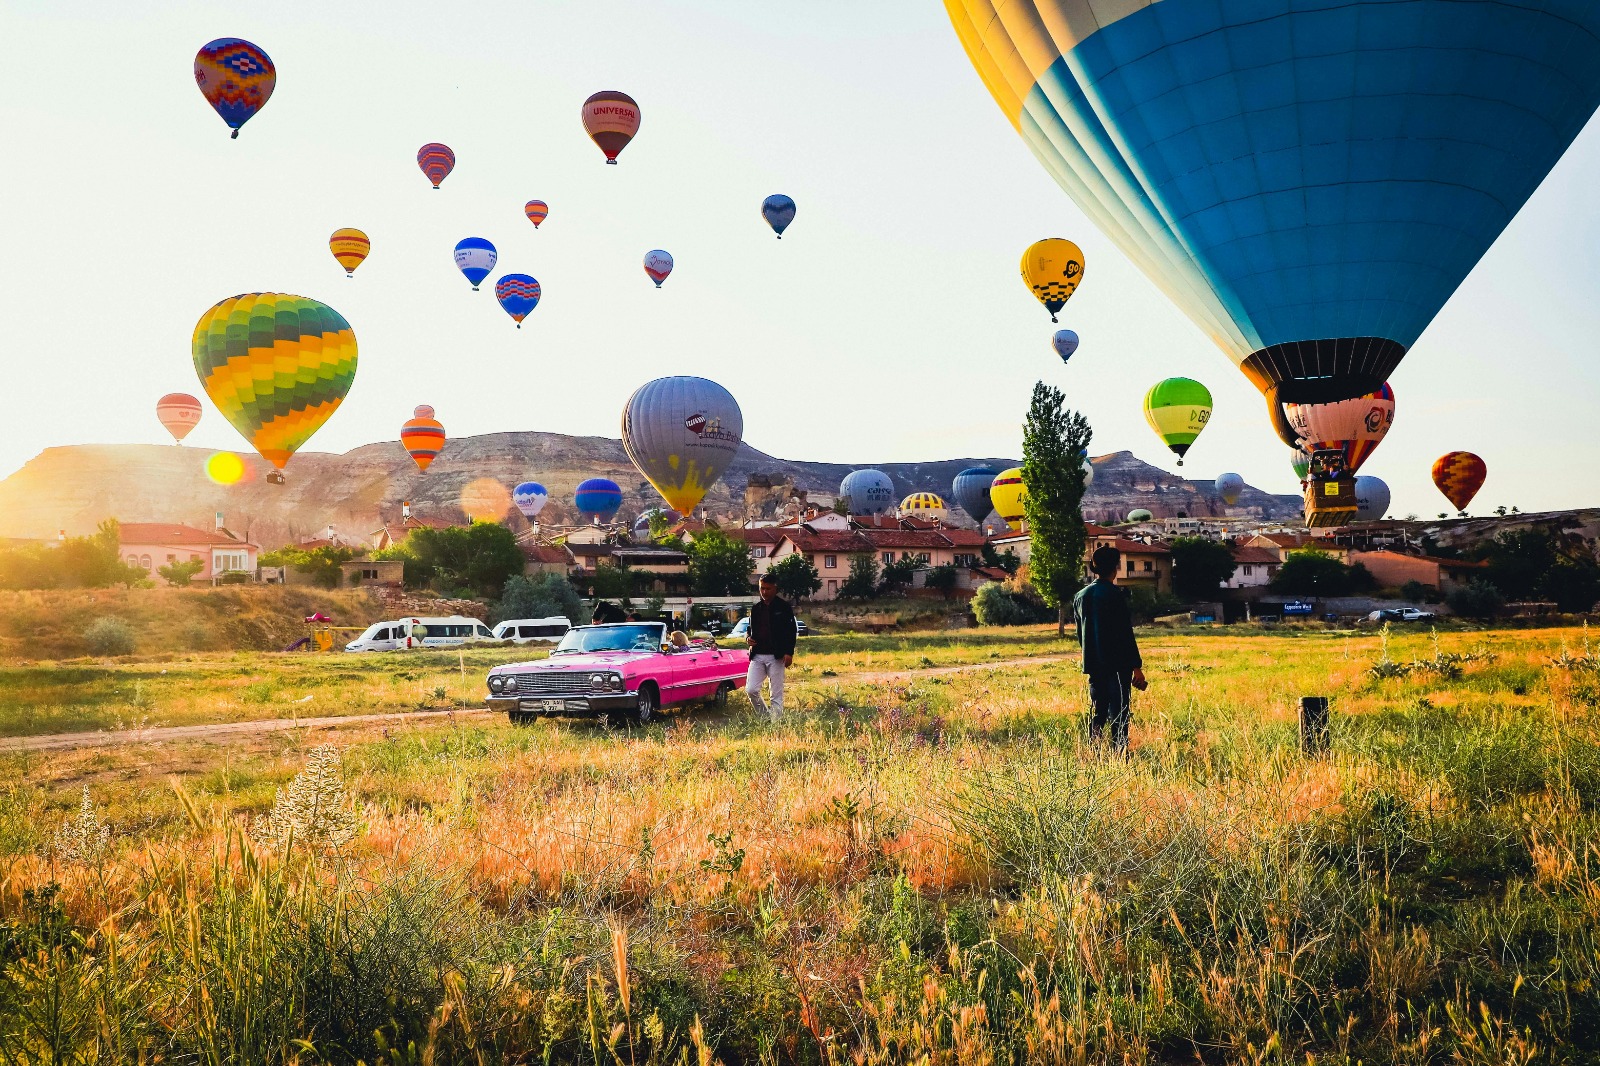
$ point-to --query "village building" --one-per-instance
(152, 545)
(1393, 569)
(1253, 567)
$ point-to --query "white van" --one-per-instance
(528, 630)
(420, 633)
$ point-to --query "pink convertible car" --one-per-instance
(626, 672)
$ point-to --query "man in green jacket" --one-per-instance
(1110, 652)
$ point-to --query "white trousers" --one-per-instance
(765, 668)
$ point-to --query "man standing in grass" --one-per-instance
(1110, 652)
(771, 639)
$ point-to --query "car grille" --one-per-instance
(552, 685)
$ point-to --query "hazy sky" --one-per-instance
(889, 324)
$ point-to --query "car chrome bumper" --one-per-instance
(624, 701)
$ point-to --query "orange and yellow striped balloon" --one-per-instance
(422, 437)
(350, 246)
(276, 366)
(1459, 475)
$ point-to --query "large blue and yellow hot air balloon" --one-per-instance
(1309, 182)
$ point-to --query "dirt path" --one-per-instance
(224, 730)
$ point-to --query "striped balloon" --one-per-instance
(1459, 475)
(1355, 427)
(537, 211)
(925, 505)
(1177, 409)
(276, 366)
(179, 413)
(350, 247)
(1008, 494)
(436, 161)
(518, 294)
(598, 499)
(611, 119)
(422, 437)
(236, 78)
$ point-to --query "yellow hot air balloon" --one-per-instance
(1007, 492)
(1052, 268)
(350, 246)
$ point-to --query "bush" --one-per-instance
(1415, 591)
(996, 605)
(1476, 599)
(109, 636)
(540, 596)
(862, 584)
(178, 575)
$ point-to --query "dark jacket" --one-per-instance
(1105, 629)
(772, 628)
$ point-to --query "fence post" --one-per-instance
(1313, 724)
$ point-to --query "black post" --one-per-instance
(1314, 724)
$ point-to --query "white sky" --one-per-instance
(889, 324)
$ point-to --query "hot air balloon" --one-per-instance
(350, 247)
(778, 210)
(657, 264)
(1088, 471)
(1184, 130)
(530, 498)
(537, 211)
(1300, 460)
(1178, 409)
(518, 294)
(611, 120)
(641, 524)
(179, 413)
(1052, 268)
(475, 257)
(1139, 514)
(1229, 486)
(1372, 498)
(1459, 476)
(276, 366)
(1355, 427)
(598, 499)
(867, 492)
(971, 490)
(422, 437)
(236, 78)
(682, 432)
(1007, 494)
(1065, 342)
(924, 505)
(436, 161)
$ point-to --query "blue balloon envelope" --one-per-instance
(530, 498)
(778, 210)
(518, 294)
(868, 492)
(475, 257)
(1065, 342)
(598, 499)
(971, 490)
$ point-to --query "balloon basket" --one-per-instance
(1330, 503)
(234, 136)
(611, 162)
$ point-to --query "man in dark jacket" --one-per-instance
(1110, 652)
(771, 640)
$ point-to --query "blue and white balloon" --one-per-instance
(868, 492)
(1065, 342)
(475, 257)
(530, 498)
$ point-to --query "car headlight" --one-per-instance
(496, 683)
(604, 682)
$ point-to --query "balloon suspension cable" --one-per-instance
(1052, 318)
(234, 136)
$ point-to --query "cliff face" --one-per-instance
(75, 488)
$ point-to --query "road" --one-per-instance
(222, 731)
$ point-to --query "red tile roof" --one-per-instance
(1296, 541)
(757, 534)
(1097, 531)
(1255, 556)
(1133, 547)
(171, 534)
(545, 553)
(847, 543)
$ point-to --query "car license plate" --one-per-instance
(554, 706)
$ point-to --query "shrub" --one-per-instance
(1415, 591)
(109, 636)
(996, 605)
(1476, 599)
(862, 584)
(797, 579)
(540, 596)
(179, 574)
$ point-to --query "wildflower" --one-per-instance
(314, 809)
(85, 838)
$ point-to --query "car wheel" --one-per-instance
(642, 711)
(720, 697)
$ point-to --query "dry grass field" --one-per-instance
(916, 865)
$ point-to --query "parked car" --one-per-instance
(405, 633)
(626, 671)
(741, 628)
(1401, 614)
(530, 630)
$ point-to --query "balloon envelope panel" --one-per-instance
(682, 432)
(1459, 475)
(236, 78)
(179, 413)
(276, 366)
(1229, 486)
(1008, 494)
(971, 490)
(1180, 128)
(530, 498)
(598, 497)
(1355, 427)
(868, 492)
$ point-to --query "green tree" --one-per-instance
(943, 579)
(1477, 599)
(896, 577)
(479, 557)
(797, 579)
(320, 564)
(94, 561)
(1199, 567)
(540, 596)
(1054, 440)
(1518, 561)
(862, 584)
(1573, 584)
(1311, 573)
(179, 574)
(1006, 560)
(719, 565)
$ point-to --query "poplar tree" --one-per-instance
(1055, 440)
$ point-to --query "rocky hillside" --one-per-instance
(74, 488)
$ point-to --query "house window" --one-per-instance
(966, 560)
(923, 556)
(888, 557)
(1248, 570)
(144, 561)
(758, 553)
(172, 559)
(1130, 566)
(830, 562)
(1149, 566)
(133, 560)
(226, 561)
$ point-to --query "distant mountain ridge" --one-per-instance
(75, 488)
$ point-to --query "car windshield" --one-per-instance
(634, 636)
